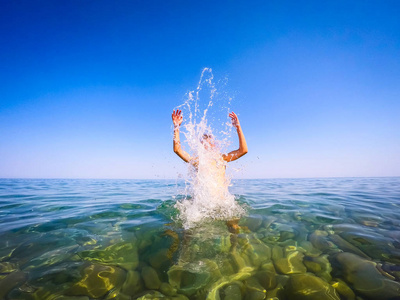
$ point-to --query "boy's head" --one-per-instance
(208, 141)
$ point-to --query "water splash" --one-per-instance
(207, 186)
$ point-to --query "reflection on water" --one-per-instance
(115, 239)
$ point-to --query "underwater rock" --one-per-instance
(286, 235)
(179, 297)
(169, 240)
(225, 244)
(232, 292)
(144, 243)
(309, 287)
(159, 258)
(305, 217)
(392, 269)
(252, 283)
(289, 249)
(10, 281)
(118, 296)
(64, 273)
(240, 260)
(338, 228)
(384, 273)
(268, 220)
(261, 233)
(343, 289)
(279, 233)
(150, 278)
(364, 238)
(370, 223)
(122, 254)
(290, 245)
(26, 251)
(277, 293)
(271, 238)
(243, 274)
(307, 248)
(277, 253)
(311, 265)
(282, 279)
(132, 284)
(167, 289)
(374, 245)
(291, 264)
(40, 293)
(186, 282)
(302, 232)
(255, 295)
(320, 266)
(27, 288)
(365, 278)
(151, 295)
(71, 298)
(367, 219)
(269, 266)
(267, 279)
(175, 275)
(7, 267)
(253, 223)
(97, 280)
(52, 257)
(258, 252)
(346, 246)
(320, 241)
(213, 268)
(226, 267)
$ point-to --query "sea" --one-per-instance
(314, 238)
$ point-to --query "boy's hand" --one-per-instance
(235, 120)
(177, 117)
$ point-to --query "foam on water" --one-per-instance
(207, 184)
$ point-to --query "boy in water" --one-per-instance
(207, 140)
(209, 144)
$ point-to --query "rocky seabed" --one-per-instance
(269, 257)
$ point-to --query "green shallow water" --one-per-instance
(117, 239)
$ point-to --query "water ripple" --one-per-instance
(312, 226)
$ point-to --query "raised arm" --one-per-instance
(234, 155)
(177, 120)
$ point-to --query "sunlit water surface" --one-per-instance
(121, 239)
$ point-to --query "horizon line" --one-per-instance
(179, 179)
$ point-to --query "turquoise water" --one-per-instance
(117, 239)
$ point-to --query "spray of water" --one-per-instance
(207, 184)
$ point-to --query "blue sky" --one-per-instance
(87, 87)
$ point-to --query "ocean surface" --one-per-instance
(69, 239)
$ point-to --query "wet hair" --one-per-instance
(206, 136)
